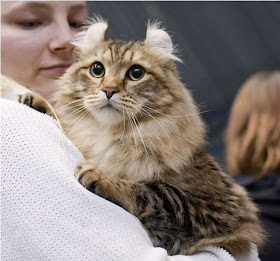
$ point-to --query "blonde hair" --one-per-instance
(253, 131)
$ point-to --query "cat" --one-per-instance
(124, 106)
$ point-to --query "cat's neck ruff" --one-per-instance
(136, 153)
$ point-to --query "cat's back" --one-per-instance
(216, 206)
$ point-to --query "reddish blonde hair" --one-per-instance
(253, 130)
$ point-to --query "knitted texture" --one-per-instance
(48, 215)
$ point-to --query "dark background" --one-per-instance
(221, 44)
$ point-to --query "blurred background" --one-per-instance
(221, 44)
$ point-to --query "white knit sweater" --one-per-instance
(48, 215)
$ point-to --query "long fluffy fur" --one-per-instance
(144, 147)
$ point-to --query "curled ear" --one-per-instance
(92, 35)
(159, 40)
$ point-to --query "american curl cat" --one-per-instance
(124, 106)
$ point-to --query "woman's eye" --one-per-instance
(76, 24)
(29, 24)
(136, 72)
(97, 70)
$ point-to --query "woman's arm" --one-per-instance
(48, 215)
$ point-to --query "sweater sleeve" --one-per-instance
(47, 214)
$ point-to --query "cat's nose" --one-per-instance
(110, 91)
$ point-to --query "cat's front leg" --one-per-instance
(116, 190)
(87, 175)
(158, 206)
(36, 102)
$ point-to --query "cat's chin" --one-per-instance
(108, 116)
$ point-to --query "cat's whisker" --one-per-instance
(175, 116)
(84, 113)
(71, 107)
(160, 105)
(141, 137)
(82, 116)
(123, 106)
(135, 106)
(154, 117)
(92, 99)
(123, 124)
(73, 113)
(94, 102)
(131, 125)
(147, 136)
(92, 95)
(75, 118)
(66, 105)
(142, 128)
(155, 120)
(127, 99)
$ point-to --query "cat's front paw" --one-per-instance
(87, 175)
(36, 102)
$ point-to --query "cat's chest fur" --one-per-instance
(116, 154)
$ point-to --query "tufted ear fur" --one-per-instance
(159, 40)
(93, 35)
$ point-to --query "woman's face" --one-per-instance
(36, 37)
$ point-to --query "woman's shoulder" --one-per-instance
(266, 183)
(265, 192)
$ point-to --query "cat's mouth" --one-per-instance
(109, 106)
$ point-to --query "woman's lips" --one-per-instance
(56, 70)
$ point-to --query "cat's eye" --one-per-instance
(97, 70)
(135, 72)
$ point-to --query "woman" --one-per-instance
(35, 39)
(253, 150)
(46, 213)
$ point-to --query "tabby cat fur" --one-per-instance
(124, 106)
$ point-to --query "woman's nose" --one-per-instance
(62, 36)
